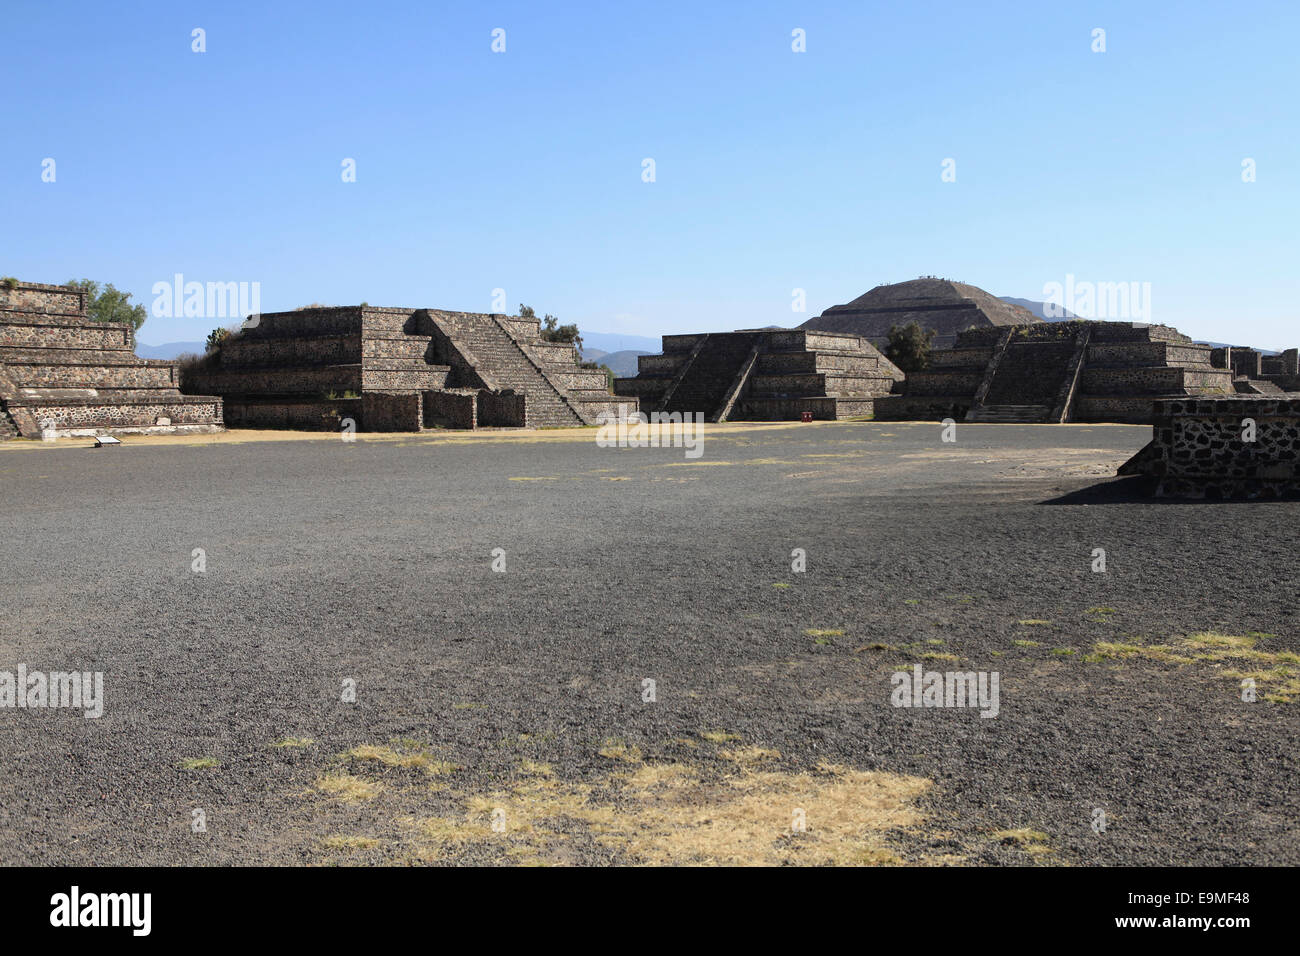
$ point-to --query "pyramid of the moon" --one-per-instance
(945, 306)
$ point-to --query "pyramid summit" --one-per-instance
(943, 305)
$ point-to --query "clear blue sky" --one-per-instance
(775, 170)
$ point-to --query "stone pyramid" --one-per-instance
(945, 306)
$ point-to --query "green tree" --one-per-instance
(552, 331)
(217, 338)
(909, 346)
(109, 304)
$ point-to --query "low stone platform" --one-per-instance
(64, 375)
(391, 369)
(1077, 371)
(1238, 447)
(762, 375)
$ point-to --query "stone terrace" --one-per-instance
(399, 370)
(62, 374)
(1082, 371)
(762, 375)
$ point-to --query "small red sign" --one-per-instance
(806, 416)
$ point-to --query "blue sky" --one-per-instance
(774, 170)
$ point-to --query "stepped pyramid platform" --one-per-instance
(399, 370)
(1077, 371)
(942, 305)
(64, 375)
(762, 375)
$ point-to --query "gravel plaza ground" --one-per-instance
(502, 716)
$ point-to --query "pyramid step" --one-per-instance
(1008, 414)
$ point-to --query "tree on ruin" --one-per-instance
(909, 346)
(109, 304)
(551, 330)
(216, 339)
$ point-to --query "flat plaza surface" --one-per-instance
(507, 716)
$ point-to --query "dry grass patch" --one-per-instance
(616, 749)
(747, 820)
(1033, 842)
(749, 756)
(294, 742)
(199, 763)
(348, 788)
(664, 814)
(670, 813)
(349, 843)
(719, 736)
(1277, 672)
(404, 753)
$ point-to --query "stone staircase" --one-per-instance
(1030, 374)
(1256, 386)
(505, 359)
(1006, 414)
(763, 375)
(705, 386)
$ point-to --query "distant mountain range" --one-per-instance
(622, 363)
(169, 350)
(617, 342)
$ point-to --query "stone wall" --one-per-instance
(392, 412)
(243, 352)
(73, 375)
(1223, 448)
(245, 384)
(452, 408)
(320, 415)
(80, 417)
(28, 331)
(501, 409)
(1247, 362)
